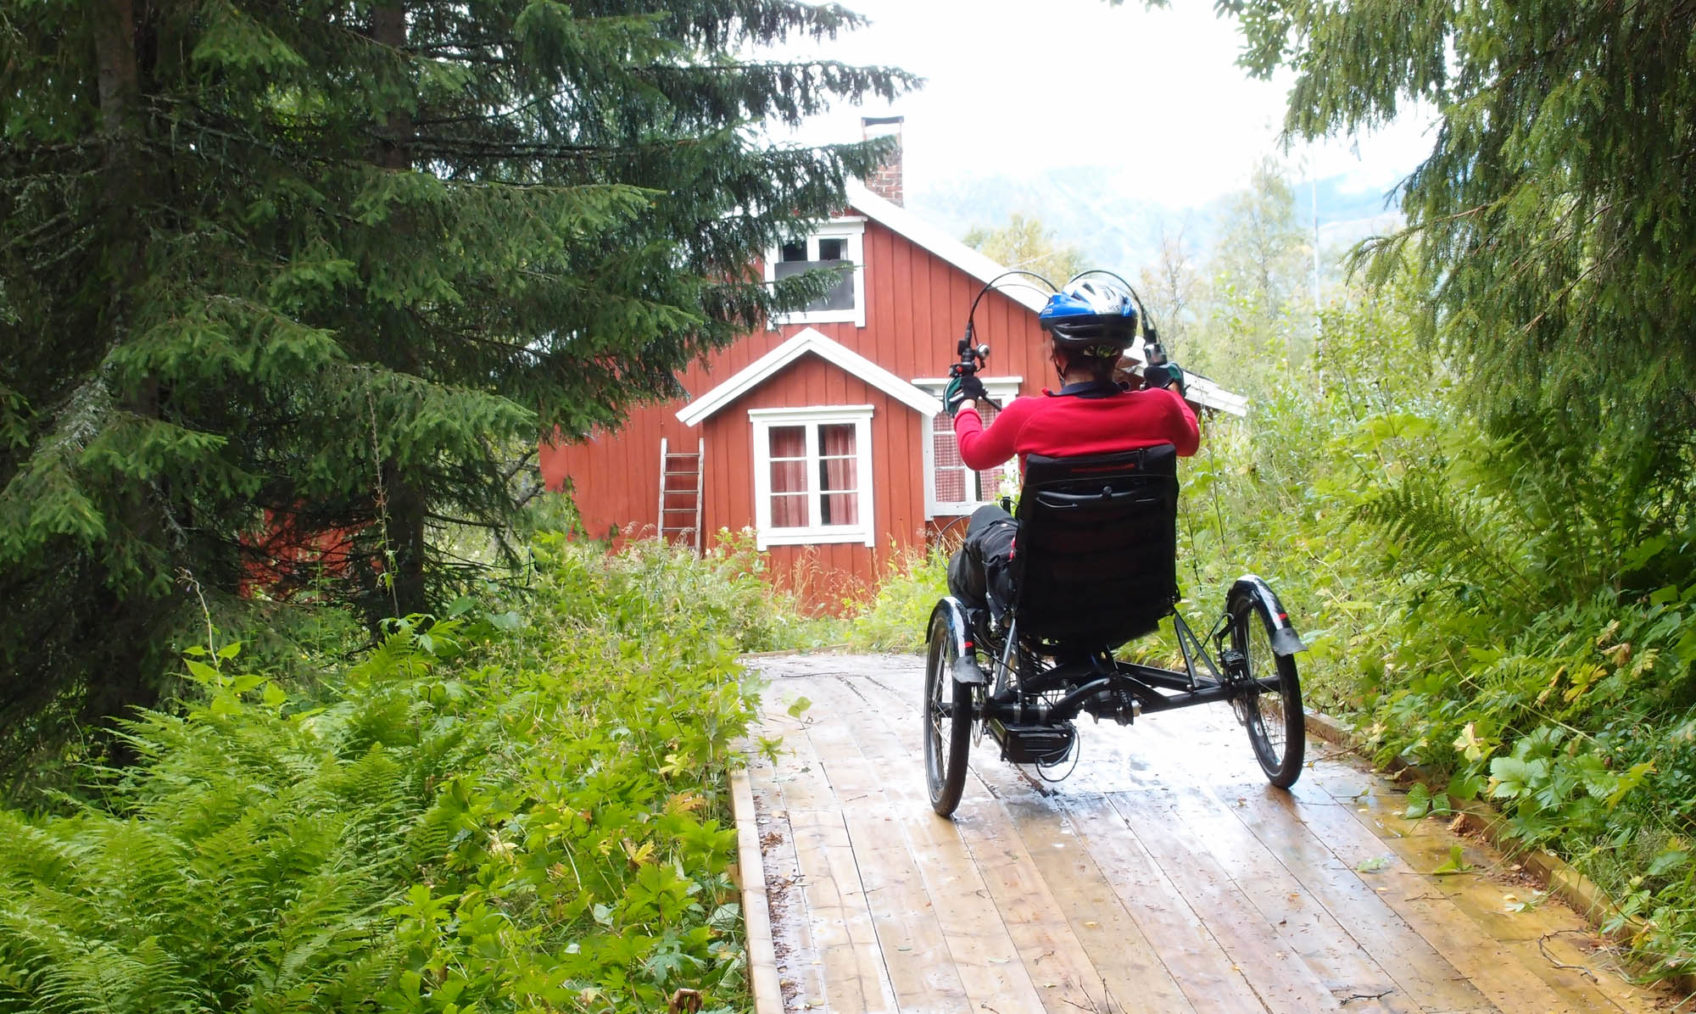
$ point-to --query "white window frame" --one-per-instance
(1003, 390)
(764, 420)
(854, 231)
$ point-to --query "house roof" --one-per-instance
(1206, 393)
(899, 220)
(802, 342)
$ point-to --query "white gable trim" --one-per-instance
(804, 341)
(1019, 289)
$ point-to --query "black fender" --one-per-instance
(1252, 589)
(965, 665)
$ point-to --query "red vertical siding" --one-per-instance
(916, 305)
(828, 574)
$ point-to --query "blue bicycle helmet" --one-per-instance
(1090, 315)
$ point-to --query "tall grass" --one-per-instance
(894, 618)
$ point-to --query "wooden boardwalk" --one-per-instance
(1164, 875)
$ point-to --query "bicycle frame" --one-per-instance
(1100, 684)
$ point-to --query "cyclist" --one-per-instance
(1090, 325)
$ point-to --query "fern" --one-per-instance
(498, 821)
(1455, 536)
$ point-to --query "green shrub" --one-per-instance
(1493, 602)
(896, 617)
(510, 810)
(654, 582)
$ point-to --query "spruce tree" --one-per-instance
(1556, 210)
(318, 268)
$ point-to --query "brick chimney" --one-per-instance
(885, 181)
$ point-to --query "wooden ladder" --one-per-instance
(681, 479)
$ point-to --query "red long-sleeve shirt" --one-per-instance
(1062, 424)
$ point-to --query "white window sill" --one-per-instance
(813, 536)
(851, 316)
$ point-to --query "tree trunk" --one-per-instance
(407, 500)
(126, 676)
(119, 77)
(406, 528)
(388, 28)
(120, 136)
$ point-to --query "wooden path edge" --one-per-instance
(1558, 877)
(756, 911)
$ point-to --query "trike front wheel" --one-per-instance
(948, 718)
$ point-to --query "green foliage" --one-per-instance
(1027, 244)
(1277, 494)
(726, 591)
(318, 268)
(1545, 213)
(898, 615)
(492, 811)
(1500, 576)
(1518, 634)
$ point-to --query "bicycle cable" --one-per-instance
(1077, 749)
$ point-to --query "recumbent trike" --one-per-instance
(1094, 567)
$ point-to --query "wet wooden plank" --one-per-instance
(1178, 936)
(800, 777)
(971, 925)
(1053, 957)
(1269, 962)
(751, 878)
(915, 956)
(1181, 881)
(1511, 911)
(1303, 923)
(1126, 963)
(800, 972)
(813, 901)
(1506, 914)
(840, 920)
(1055, 960)
(858, 786)
(1331, 839)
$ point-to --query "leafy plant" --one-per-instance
(896, 617)
(495, 810)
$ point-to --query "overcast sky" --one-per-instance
(1154, 98)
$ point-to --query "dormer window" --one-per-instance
(833, 244)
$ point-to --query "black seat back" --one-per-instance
(1095, 563)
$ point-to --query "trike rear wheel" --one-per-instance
(1276, 727)
(948, 718)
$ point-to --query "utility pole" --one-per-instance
(1318, 328)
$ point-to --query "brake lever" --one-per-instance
(1154, 353)
(971, 360)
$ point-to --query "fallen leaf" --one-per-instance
(1456, 864)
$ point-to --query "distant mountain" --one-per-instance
(1121, 230)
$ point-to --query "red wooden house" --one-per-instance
(824, 433)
